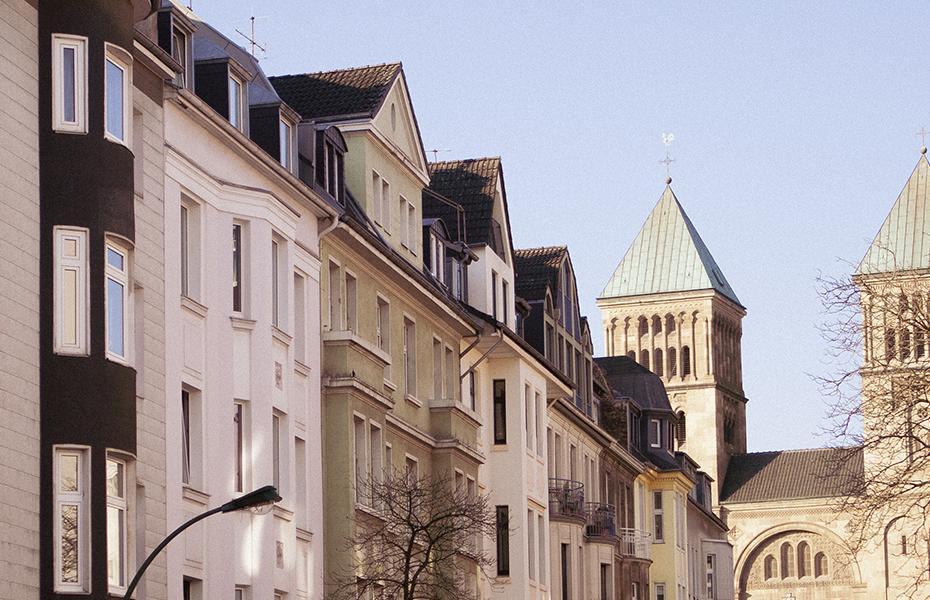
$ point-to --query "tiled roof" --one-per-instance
(626, 377)
(440, 207)
(903, 242)
(793, 474)
(357, 91)
(535, 268)
(667, 255)
(471, 183)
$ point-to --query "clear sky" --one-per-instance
(795, 130)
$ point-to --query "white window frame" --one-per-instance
(78, 264)
(386, 205)
(660, 592)
(238, 123)
(78, 43)
(286, 144)
(658, 510)
(711, 576)
(410, 359)
(82, 500)
(123, 278)
(122, 60)
(180, 55)
(121, 504)
(411, 226)
(376, 199)
(656, 426)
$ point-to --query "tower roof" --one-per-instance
(903, 242)
(667, 255)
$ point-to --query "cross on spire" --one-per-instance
(667, 139)
(923, 133)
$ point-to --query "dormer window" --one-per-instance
(655, 433)
(179, 53)
(286, 144)
(437, 258)
(235, 102)
(330, 152)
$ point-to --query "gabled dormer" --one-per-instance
(385, 166)
(329, 152)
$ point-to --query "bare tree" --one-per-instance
(879, 331)
(421, 539)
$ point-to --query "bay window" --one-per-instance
(72, 516)
(117, 300)
(71, 291)
(117, 534)
(117, 104)
(69, 83)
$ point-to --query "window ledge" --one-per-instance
(282, 513)
(412, 400)
(390, 385)
(196, 496)
(281, 335)
(192, 305)
(242, 324)
(304, 535)
(301, 368)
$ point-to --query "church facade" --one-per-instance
(669, 307)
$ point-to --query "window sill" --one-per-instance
(413, 400)
(242, 323)
(112, 138)
(281, 335)
(282, 513)
(120, 360)
(194, 495)
(390, 385)
(301, 368)
(192, 305)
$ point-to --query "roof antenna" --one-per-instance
(667, 139)
(251, 38)
(436, 152)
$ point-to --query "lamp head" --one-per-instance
(263, 496)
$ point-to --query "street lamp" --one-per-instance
(263, 496)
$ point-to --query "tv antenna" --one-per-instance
(436, 152)
(251, 38)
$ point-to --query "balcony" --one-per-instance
(600, 521)
(566, 499)
(634, 543)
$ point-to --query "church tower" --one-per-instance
(669, 307)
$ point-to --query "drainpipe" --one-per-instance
(500, 338)
(334, 222)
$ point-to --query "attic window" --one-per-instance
(393, 117)
(235, 102)
(285, 141)
(179, 53)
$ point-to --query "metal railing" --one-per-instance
(634, 543)
(566, 498)
(600, 520)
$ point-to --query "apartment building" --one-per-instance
(242, 287)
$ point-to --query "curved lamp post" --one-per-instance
(263, 496)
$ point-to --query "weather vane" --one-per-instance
(667, 139)
(923, 133)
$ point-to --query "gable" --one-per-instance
(397, 123)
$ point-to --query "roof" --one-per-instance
(626, 377)
(668, 255)
(358, 91)
(472, 183)
(536, 268)
(793, 474)
(903, 242)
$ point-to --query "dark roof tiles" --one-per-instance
(628, 378)
(356, 91)
(793, 474)
(537, 268)
(472, 183)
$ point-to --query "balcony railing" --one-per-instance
(634, 543)
(600, 520)
(566, 498)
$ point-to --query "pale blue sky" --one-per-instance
(795, 130)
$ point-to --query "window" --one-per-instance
(634, 591)
(351, 316)
(658, 518)
(192, 589)
(769, 567)
(500, 411)
(276, 445)
(235, 102)
(386, 205)
(71, 291)
(278, 291)
(375, 454)
(451, 372)
(237, 263)
(411, 468)
(69, 80)
(117, 106)
(239, 432)
(502, 529)
(644, 358)
(685, 361)
(655, 433)
(528, 416)
(412, 226)
(820, 565)
(681, 431)
(566, 568)
(383, 330)
(660, 591)
(335, 297)
(494, 295)
(711, 574)
(240, 593)
(285, 142)
(72, 516)
(787, 560)
(541, 534)
(804, 559)
(117, 300)
(179, 53)
(191, 438)
(361, 461)
(672, 362)
(376, 200)
(531, 543)
(605, 582)
(190, 248)
(505, 287)
(117, 535)
(471, 390)
(300, 471)
(300, 317)
(410, 358)
(437, 369)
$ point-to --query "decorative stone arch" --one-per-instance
(843, 572)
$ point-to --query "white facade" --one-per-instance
(243, 385)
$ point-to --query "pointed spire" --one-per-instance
(903, 242)
(668, 255)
